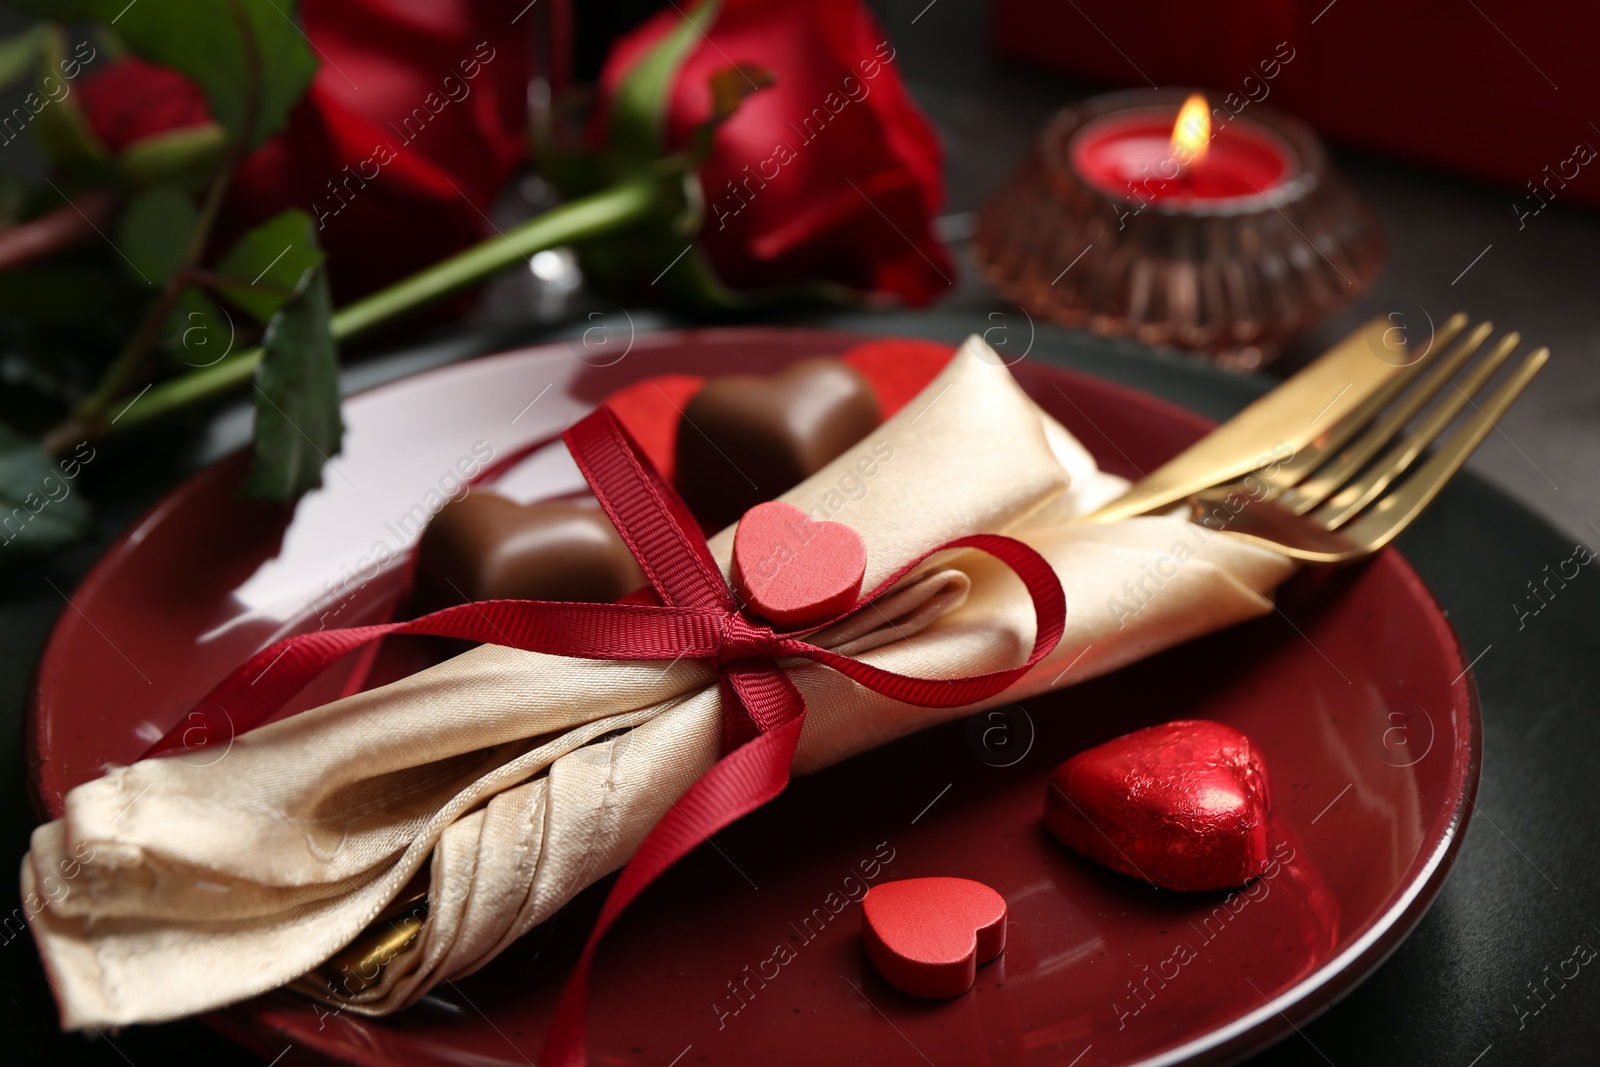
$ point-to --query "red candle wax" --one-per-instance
(1130, 155)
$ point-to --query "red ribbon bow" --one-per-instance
(697, 618)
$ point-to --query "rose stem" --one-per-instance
(67, 226)
(590, 216)
(88, 417)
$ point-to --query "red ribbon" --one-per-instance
(697, 618)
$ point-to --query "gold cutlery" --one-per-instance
(1308, 410)
(1328, 506)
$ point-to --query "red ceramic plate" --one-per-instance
(1355, 689)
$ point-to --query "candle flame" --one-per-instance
(1191, 134)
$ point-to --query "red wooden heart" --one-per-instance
(926, 936)
(1182, 805)
(795, 571)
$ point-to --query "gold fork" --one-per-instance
(1332, 506)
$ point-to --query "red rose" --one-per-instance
(413, 122)
(831, 173)
(131, 100)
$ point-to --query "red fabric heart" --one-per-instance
(927, 936)
(794, 571)
(651, 409)
(898, 368)
(1182, 805)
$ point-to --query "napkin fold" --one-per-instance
(511, 780)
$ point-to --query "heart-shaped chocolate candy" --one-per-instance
(794, 571)
(489, 547)
(1182, 805)
(927, 936)
(744, 439)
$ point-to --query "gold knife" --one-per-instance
(1307, 408)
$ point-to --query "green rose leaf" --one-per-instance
(640, 106)
(269, 263)
(17, 54)
(223, 45)
(40, 507)
(63, 130)
(199, 333)
(155, 232)
(298, 427)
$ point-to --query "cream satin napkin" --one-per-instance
(515, 779)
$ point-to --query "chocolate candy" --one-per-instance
(1182, 805)
(745, 439)
(489, 547)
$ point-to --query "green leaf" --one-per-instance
(272, 259)
(222, 44)
(298, 427)
(199, 333)
(639, 109)
(185, 158)
(41, 507)
(108, 43)
(205, 40)
(64, 133)
(156, 231)
(17, 54)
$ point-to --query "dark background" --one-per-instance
(1527, 885)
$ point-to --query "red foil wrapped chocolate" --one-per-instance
(1182, 805)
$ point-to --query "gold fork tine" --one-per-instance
(1362, 491)
(1336, 472)
(1309, 458)
(1256, 518)
(1385, 519)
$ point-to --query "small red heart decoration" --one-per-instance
(1182, 805)
(794, 571)
(926, 936)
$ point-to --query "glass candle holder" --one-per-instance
(1226, 254)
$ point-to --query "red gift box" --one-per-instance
(1487, 88)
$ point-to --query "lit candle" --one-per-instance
(1145, 154)
(1147, 215)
